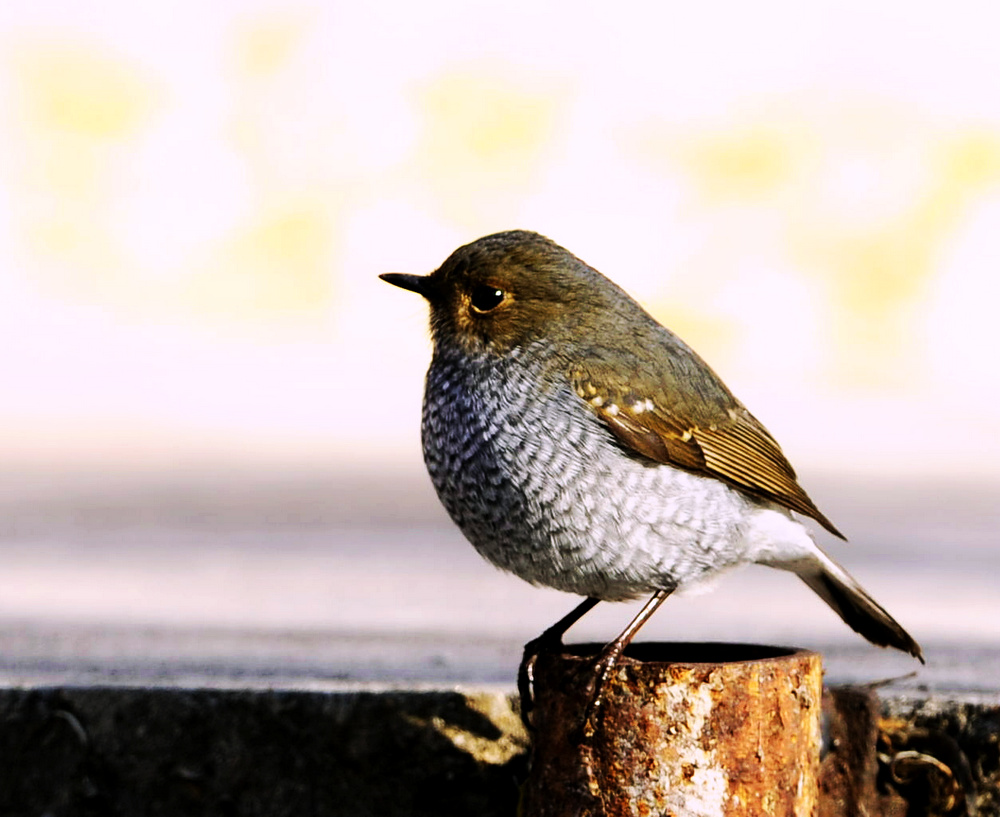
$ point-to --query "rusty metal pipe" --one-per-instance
(685, 729)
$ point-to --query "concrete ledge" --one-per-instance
(175, 751)
(372, 749)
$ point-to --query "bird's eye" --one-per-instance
(484, 298)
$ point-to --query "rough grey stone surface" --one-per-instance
(174, 751)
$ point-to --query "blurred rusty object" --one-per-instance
(927, 768)
(890, 766)
(849, 768)
(685, 729)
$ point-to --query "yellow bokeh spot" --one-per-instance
(973, 159)
(266, 45)
(280, 264)
(752, 164)
(484, 139)
(76, 89)
(66, 166)
(874, 271)
(58, 238)
(485, 120)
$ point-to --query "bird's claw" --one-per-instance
(546, 642)
(600, 671)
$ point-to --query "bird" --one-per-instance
(581, 445)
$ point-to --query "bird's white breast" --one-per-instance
(543, 490)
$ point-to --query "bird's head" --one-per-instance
(511, 289)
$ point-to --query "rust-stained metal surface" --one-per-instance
(684, 730)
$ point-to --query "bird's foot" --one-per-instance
(549, 641)
(600, 671)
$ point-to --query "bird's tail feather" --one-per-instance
(859, 610)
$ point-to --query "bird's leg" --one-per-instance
(549, 640)
(609, 656)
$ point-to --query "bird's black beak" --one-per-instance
(414, 283)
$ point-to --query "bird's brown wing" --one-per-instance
(726, 442)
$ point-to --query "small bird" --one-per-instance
(581, 445)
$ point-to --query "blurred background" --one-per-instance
(209, 425)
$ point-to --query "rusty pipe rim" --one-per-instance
(692, 653)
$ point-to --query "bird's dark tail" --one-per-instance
(859, 610)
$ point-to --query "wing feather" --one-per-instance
(727, 443)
